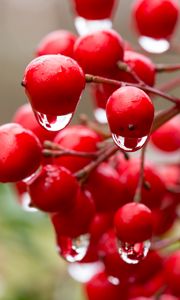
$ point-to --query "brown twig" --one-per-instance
(158, 245)
(167, 68)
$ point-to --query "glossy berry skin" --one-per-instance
(168, 297)
(133, 223)
(99, 288)
(78, 138)
(141, 65)
(172, 273)
(54, 189)
(57, 42)
(98, 53)
(101, 93)
(167, 137)
(156, 18)
(77, 221)
(20, 154)
(53, 84)
(94, 10)
(130, 112)
(106, 188)
(25, 117)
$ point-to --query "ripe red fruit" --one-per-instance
(106, 188)
(168, 297)
(141, 65)
(20, 154)
(167, 137)
(130, 114)
(94, 10)
(133, 223)
(172, 273)
(78, 138)
(100, 288)
(57, 42)
(54, 189)
(101, 93)
(77, 221)
(53, 84)
(156, 19)
(99, 52)
(25, 117)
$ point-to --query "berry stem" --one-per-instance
(126, 68)
(158, 245)
(167, 68)
(98, 79)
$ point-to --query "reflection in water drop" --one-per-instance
(84, 26)
(85, 271)
(154, 46)
(133, 253)
(129, 144)
(25, 201)
(53, 123)
(113, 280)
(100, 115)
(73, 250)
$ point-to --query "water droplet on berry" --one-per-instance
(133, 253)
(153, 45)
(84, 26)
(25, 203)
(85, 271)
(100, 115)
(129, 144)
(73, 250)
(53, 123)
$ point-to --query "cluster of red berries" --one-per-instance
(90, 192)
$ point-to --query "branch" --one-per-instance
(158, 245)
(167, 68)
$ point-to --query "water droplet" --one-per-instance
(100, 115)
(129, 144)
(73, 250)
(25, 201)
(53, 123)
(84, 26)
(153, 45)
(113, 280)
(85, 271)
(133, 253)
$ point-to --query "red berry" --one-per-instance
(77, 221)
(106, 188)
(130, 114)
(100, 288)
(54, 189)
(133, 223)
(78, 138)
(168, 297)
(156, 18)
(99, 52)
(25, 117)
(172, 272)
(57, 42)
(54, 84)
(20, 154)
(167, 137)
(101, 93)
(93, 9)
(141, 65)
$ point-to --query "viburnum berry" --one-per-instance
(133, 223)
(53, 84)
(167, 297)
(130, 114)
(20, 154)
(155, 19)
(77, 138)
(100, 288)
(57, 42)
(141, 65)
(25, 117)
(98, 52)
(54, 189)
(167, 137)
(106, 188)
(94, 10)
(77, 221)
(172, 272)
